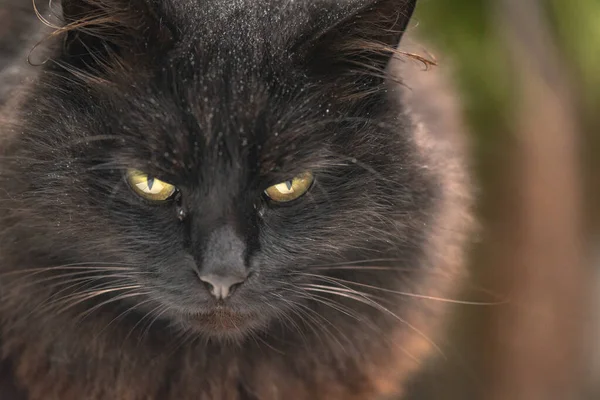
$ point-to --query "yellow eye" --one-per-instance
(149, 188)
(292, 189)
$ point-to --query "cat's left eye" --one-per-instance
(290, 189)
(149, 187)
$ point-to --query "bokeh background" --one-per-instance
(528, 72)
(529, 75)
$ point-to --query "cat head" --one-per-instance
(218, 162)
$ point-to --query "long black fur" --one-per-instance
(223, 99)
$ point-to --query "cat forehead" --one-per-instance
(271, 20)
(226, 134)
(261, 10)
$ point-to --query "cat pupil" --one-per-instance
(150, 182)
(288, 184)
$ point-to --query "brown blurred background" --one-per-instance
(529, 74)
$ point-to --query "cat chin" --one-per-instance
(222, 324)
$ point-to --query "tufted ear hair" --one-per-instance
(100, 34)
(361, 44)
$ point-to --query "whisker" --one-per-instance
(308, 309)
(338, 307)
(264, 342)
(86, 313)
(79, 266)
(48, 306)
(306, 318)
(123, 314)
(146, 315)
(72, 284)
(363, 165)
(347, 290)
(156, 317)
(390, 343)
(287, 318)
(311, 322)
(407, 294)
(184, 338)
(96, 294)
(360, 297)
(86, 275)
(363, 268)
(368, 260)
(305, 311)
(76, 288)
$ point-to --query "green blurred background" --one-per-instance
(471, 38)
(466, 31)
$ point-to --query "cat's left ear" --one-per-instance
(101, 32)
(363, 41)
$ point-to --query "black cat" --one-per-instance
(225, 199)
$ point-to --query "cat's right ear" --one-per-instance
(100, 34)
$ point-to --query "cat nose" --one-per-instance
(222, 286)
(223, 267)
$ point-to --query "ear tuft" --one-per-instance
(102, 34)
(360, 46)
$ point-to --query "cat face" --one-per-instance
(217, 179)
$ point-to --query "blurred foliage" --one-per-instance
(464, 31)
(578, 31)
(461, 29)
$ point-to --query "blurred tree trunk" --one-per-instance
(536, 342)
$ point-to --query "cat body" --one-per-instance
(108, 295)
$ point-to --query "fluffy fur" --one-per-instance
(100, 295)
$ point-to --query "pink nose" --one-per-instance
(222, 287)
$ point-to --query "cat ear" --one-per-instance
(101, 33)
(362, 43)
